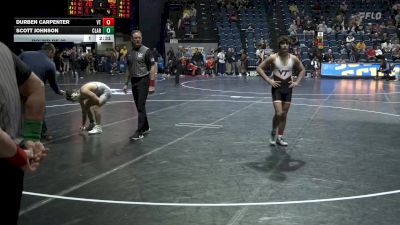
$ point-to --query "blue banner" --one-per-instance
(354, 70)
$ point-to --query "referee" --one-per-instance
(141, 73)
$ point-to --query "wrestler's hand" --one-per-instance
(274, 83)
(152, 90)
(39, 151)
(35, 152)
(293, 84)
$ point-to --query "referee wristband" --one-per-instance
(127, 82)
(20, 158)
(32, 130)
(152, 83)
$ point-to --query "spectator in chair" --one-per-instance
(170, 29)
(396, 52)
(328, 57)
(370, 54)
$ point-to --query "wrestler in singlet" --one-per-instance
(103, 92)
(282, 71)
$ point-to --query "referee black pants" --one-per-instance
(10, 192)
(140, 90)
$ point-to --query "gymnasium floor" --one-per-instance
(207, 160)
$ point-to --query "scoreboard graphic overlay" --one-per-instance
(75, 30)
(109, 8)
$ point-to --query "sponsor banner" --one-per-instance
(370, 15)
(354, 69)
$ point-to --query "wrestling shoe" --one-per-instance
(96, 130)
(91, 126)
(280, 141)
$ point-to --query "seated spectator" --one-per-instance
(368, 28)
(378, 53)
(397, 19)
(170, 29)
(375, 39)
(322, 27)
(361, 47)
(338, 19)
(198, 58)
(293, 28)
(375, 29)
(387, 46)
(341, 60)
(329, 30)
(314, 51)
(328, 57)
(316, 67)
(309, 28)
(185, 19)
(395, 51)
(349, 41)
(299, 21)
(210, 65)
(181, 67)
(188, 53)
(170, 54)
(353, 55)
(195, 69)
(396, 8)
(293, 9)
(370, 54)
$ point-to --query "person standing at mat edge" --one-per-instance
(20, 150)
(41, 63)
(141, 72)
(282, 64)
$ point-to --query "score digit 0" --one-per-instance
(108, 30)
(108, 22)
